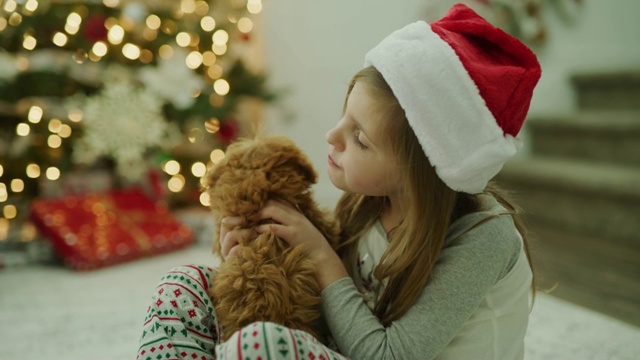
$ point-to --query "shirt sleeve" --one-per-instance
(466, 270)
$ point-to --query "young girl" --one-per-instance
(433, 262)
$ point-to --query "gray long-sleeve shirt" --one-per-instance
(475, 305)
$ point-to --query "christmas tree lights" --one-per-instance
(148, 90)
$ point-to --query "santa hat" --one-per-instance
(465, 87)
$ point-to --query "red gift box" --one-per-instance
(97, 230)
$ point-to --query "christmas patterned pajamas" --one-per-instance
(181, 324)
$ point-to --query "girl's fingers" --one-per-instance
(226, 244)
(283, 214)
(278, 230)
(231, 239)
(229, 222)
(231, 235)
(277, 211)
(234, 250)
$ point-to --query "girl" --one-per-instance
(433, 262)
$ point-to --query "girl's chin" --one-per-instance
(336, 181)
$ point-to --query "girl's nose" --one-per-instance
(333, 139)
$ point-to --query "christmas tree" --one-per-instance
(101, 94)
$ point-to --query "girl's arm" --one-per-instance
(459, 283)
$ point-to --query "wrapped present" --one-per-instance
(97, 230)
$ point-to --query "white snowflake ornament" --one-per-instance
(121, 122)
(172, 80)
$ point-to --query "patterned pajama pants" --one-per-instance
(181, 324)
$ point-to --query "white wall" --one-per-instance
(314, 47)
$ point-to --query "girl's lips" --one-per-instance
(332, 163)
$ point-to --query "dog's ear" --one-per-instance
(288, 171)
(210, 178)
(237, 185)
(232, 158)
(296, 163)
(288, 156)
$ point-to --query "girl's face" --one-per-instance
(360, 160)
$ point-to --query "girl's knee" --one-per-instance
(267, 339)
(255, 340)
(263, 332)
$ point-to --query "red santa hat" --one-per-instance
(465, 87)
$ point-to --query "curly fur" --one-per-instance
(267, 280)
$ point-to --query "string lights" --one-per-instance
(134, 34)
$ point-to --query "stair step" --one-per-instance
(614, 90)
(605, 136)
(582, 197)
(587, 270)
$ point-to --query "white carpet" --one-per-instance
(49, 312)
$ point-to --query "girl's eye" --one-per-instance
(356, 140)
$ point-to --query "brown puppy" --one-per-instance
(267, 280)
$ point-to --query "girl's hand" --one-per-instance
(294, 228)
(230, 235)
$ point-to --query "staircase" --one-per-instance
(580, 189)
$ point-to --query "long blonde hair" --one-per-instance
(407, 262)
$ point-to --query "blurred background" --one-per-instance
(111, 111)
